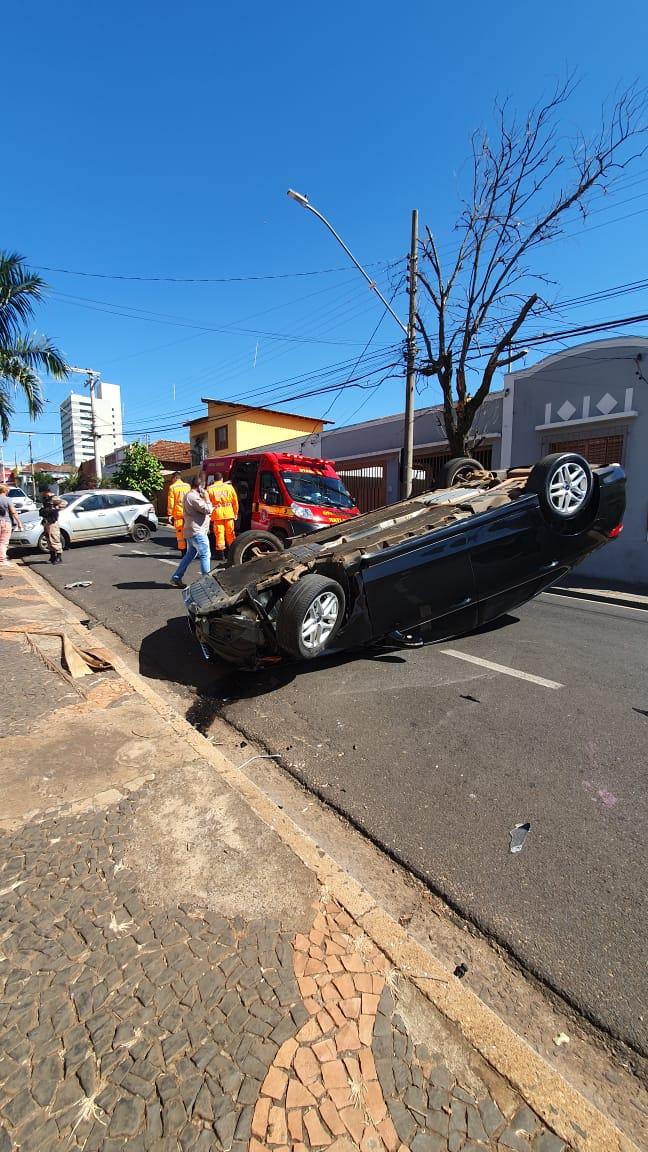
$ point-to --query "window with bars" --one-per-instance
(598, 450)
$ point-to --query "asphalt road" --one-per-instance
(438, 757)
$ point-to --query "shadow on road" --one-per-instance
(137, 585)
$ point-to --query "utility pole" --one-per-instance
(31, 465)
(408, 430)
(92, 380)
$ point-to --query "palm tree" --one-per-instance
(22, 353)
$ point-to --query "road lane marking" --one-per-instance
(173, 563)
(590, 600)
(503, 668)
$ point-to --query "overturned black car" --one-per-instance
(452, 559)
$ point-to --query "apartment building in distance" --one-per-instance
(76, 423)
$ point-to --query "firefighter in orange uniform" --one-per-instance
(225, 504)
(178, 489)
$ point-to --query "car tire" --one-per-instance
(43, 546)
(564, 485)
(251, 545)
(140, 532)
(310, 615)
(461, 468)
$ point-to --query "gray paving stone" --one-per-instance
(173, 1117)
(457, 1116)
(476, 1130)
(428, 1142)
(20, 1108)
(509, 1139)
(547, 1142)
(455, 1141)
(127, 1117)
(225, 1126)
(438, 1122)
(46, 1077)
(440, 1077)
(491, 1116)
(438, 1098)
(526, 1120)
(403, 1121)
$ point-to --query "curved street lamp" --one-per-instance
(409, 331)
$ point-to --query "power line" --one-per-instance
(201, 279)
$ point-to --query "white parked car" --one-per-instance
(95, 515)
(21, 501)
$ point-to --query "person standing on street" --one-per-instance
(196, 512)
(225, 510)
(8, 515)
(49, 516)
(178, 489)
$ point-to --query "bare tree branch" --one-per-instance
(525, 181)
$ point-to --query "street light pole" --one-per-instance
(409, 330)
(408, 438)
(303, 200)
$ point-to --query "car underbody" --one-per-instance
(235, 613)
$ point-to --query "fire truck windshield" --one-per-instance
(308, 488)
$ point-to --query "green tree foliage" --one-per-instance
(22, 354)
(71, 482)
(139, 471)
(43, 480)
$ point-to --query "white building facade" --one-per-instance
(76, 423)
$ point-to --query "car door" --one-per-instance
(243, 477)
(514, 555)
(90, 518)
(428, 580)
(121, 507)
(270, 503)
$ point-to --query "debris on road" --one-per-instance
(460, 971)
(560, 1039)
(518, 836)
(79, 584)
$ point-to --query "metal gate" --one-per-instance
(428, 465)
(366, 480)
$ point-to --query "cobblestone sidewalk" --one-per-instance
(133, 1018)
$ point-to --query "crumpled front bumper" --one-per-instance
(234, 636)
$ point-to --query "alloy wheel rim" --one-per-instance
(568, 488)
(320, 620)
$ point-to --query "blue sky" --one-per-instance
(153, 139)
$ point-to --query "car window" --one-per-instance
(16, 494)
(119, 500)
(91, 503)
(269, 492)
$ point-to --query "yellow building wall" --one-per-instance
(255, 434)
(254, 430)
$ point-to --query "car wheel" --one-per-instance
(251, 545)
(457, 470)
(65, 541)
(43, 546)
(140, 531)
(310, 615)
(564, 484)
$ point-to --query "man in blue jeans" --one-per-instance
(197, 514)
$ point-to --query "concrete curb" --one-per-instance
(640, 603)
(557, 1103)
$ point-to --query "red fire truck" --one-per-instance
(282, 493)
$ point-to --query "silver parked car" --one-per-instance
(95, 515)
(21, 501)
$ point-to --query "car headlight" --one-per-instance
(303, 512)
